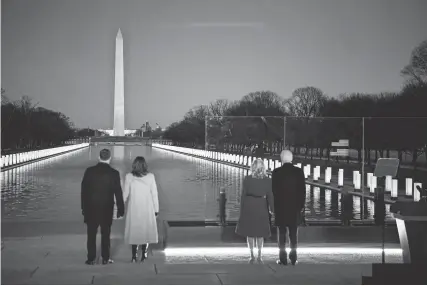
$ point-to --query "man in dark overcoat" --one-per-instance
(101, 183)
(288, 184)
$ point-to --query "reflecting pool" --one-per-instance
(49, 190)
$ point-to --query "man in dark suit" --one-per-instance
(101, 183)
(288, 184)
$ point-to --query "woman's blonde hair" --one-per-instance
(258, 169)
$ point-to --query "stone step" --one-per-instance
(126, 273)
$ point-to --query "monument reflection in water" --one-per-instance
(119, 153)
(119, 162)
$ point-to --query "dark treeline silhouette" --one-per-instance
(393, 122)
(25, 125)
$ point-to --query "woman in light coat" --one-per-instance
(140, 195)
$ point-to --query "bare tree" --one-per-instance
(219, 107)
(306, 102)
(268, 102)
(416, 70)
(4, 99)
(197, 113)
(260, 103)
(26, 105)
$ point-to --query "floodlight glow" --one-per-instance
(316, 173)
(340, 177)
(373, 183)
(369, 179)
(394, 188)
(354, 177)
(388, 183)
(409, 187)
(358, 183)
(218, 251)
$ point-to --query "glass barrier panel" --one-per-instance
(401, 138)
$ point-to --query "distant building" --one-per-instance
(110, 132)
(146, 127)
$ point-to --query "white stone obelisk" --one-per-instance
(119, 89)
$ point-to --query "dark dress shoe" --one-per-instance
(90, 262)
(293, 257)
(283, 257)
(109, 261)
(143, 256)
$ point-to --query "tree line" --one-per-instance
(393, 121)
(25, 125)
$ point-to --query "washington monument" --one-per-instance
(119, 89)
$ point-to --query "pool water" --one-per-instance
(188, 187)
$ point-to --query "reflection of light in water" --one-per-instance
(371, 208)
(387, 209)
(17, 177)
(231, 178)
(328, 197)
(307, 191)
(316, 197)
(3, 177)
(356, 205)
(118, 152)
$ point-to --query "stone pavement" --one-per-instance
(59, 259)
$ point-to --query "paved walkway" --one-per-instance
(59, 259)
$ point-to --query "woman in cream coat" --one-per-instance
(142, 207)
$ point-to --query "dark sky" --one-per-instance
(183, 53)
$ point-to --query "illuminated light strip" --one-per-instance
(34, 155)
(194, 251)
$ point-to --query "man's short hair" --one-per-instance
(286, 156)
(105, 154)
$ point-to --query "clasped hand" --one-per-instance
(120, 214)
